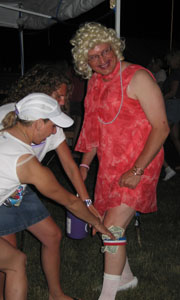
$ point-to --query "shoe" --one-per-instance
(129, 285)
(169, 174)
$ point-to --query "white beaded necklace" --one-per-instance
(122, 96)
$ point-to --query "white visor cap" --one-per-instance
(41, 106)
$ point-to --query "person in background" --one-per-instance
(125, 124)
(156, 67)
(75, 98)
(54, 79)
(29, 132)
(13, 264)
(42, 78)
(171, 92)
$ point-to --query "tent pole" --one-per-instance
(21, 38)
(22, 50)
(171, 33)
(118, 18)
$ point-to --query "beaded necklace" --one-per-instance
(122, 98)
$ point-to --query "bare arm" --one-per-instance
(73, 173)
(32, 172)
(87, 160)
(71, 169)
(144, 89)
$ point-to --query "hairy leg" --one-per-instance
(118, 216)
(116, 263)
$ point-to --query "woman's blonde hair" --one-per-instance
(87, 37)
(11, 119)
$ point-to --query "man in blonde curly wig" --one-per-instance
(125, 125)
(86, 38)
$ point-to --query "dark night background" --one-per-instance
(145, 25)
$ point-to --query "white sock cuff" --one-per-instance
(111, 277)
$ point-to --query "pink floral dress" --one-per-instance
(118, 127)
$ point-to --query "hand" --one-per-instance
(129, 180)
(94, 211)
(99, 227)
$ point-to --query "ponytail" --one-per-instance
(9, 120)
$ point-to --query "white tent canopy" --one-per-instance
(40, 14)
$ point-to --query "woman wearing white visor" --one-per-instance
(27, 135)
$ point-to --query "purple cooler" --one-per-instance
(75, 227)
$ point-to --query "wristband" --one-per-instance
(85, 166)
(88, 202)
(137, 171)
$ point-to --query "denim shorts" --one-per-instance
(17, 218)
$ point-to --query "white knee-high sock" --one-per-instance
(110, 286)
(127, 274)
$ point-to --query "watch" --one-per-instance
(88, 202)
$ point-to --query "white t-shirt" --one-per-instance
(12, 148)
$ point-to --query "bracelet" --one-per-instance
(88, 202)
(85, 166)
(137, 171)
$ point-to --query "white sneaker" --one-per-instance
(169, 173)
(129, 285)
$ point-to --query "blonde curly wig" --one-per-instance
(87, 37)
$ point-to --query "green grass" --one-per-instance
(156, 263)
